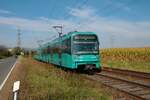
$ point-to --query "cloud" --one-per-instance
(127, 33)
(25, 24)
(86, 19)
(82, 12)
(41, 24)
(2, 11)
(99, 24)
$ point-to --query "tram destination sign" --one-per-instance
(85, 37)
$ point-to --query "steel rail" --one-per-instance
(125, 80)
(116, 84)
(127, 72)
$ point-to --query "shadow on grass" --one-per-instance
(76, 71)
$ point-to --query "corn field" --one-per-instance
(126, 54)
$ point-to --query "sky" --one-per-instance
(118, 23)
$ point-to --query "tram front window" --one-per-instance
(80, 48)
(85, 44)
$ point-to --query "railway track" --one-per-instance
(128, 72)
(134, 84)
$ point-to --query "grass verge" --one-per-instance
(46, 82)
(135, 66)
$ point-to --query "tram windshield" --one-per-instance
(85, 44)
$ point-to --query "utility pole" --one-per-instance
(112, 41)
(17, 50)
(18, 38)
(60, 46)
(59, 31)
(40, 42)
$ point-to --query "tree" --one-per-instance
(4, 52)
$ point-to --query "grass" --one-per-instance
(46, 82)
(137, 59)
(136, 66)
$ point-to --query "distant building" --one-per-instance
(10, 50)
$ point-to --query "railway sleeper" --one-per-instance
(142, 92)
(146, 96)
(134, 89)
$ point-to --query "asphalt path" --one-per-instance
(5, 66)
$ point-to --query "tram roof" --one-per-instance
(63, 37)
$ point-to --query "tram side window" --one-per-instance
(48, 49)
(69, 46)
(56, 48)
(45, 51)
(63, 46)
(66, 46)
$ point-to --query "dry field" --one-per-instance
(127, 58)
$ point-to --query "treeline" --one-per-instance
(4, 52)
(16, 51)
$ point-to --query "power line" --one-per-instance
(54, 7)
(112, 40)
(18, 38)
(115, 9)
(104, 8)
(107, 7)
(82, 4)
(59, 32)
(78, 6)
(39, 42)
